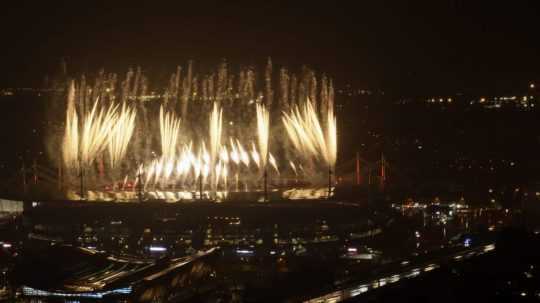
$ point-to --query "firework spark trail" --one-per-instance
(263, 133)
(255, 155)
(215, 135)
(273, 162)
(150, 173)
(217, 174)
(225, 175)
(70, 146)
(201, 164)
(289, 123)
(95, 131)
(169, 127)
(169, 130)
(205, 156)
(234, 155)
(125, 182)
(331, 139)
(307, 135)
(244, 156)
(138, 177)
(205, 171)
(314, 130)
(183, 164)
(158, 170)
(196, 163)
(224, 155)
(293, 167)
(121, 134)
(297, 126)
(168, 168)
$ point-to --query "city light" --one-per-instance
(244, 252)
(157, 249)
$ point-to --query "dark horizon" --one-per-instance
(445, 47)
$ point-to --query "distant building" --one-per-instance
(65, 272)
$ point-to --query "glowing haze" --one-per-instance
(218, 130)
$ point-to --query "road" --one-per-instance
(407, 271)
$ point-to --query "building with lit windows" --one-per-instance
(66, 272)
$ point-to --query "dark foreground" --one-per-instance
(314, 252)
(511, 273)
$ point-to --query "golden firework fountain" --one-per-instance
(190, 155)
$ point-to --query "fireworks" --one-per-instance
(70, 144)
(169, 127)
(293, 167)
(273, 162)
(307, 135)
(209, 131)
(331, 140)
(120, 135)
(102, 128)
(263, 125)
(215, 140)
(96, 130)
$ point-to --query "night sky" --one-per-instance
(426, 47)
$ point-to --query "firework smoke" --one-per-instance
(232, 127)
